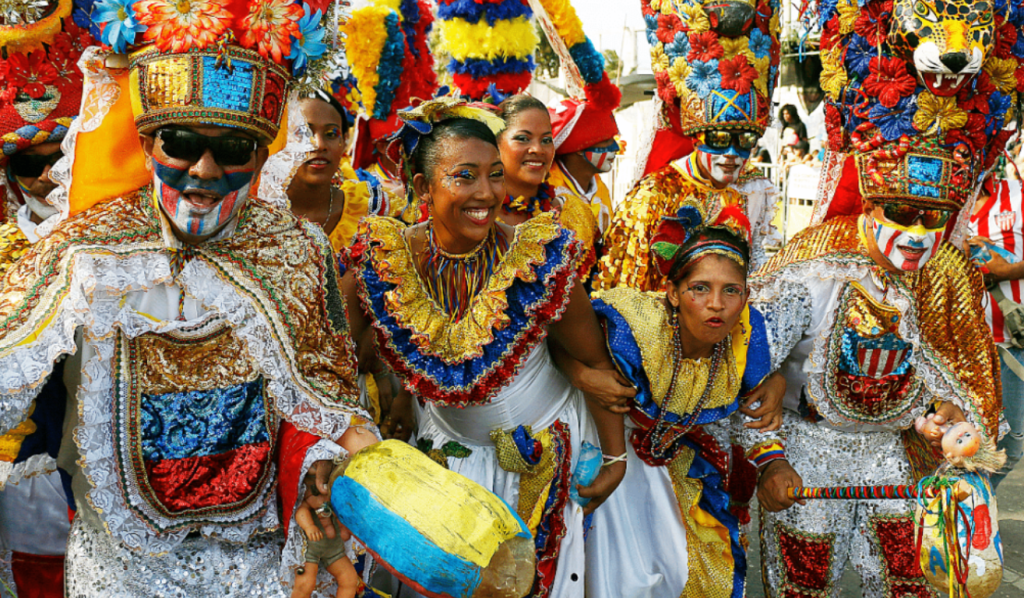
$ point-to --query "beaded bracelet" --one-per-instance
(611, 460)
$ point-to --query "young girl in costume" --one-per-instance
(461, 306)
(694, 352)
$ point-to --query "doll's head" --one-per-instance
(960, 440)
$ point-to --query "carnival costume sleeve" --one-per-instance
(262, 339)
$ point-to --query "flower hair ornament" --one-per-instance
(683, 239)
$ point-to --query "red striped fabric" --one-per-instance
(1001, 220)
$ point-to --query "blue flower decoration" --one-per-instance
(895, 122)
(998, 104)
(827, 10)
(704, 76)
(309, 45)
(760, 44)
(679, 47)
(652, 29)
(859, 55)
(121, 25)
(1018, 47)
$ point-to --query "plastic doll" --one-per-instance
(324, 544)
(962, 445)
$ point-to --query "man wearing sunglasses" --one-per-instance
(876, 324)
(202, 333)
(725, 132)
(29, 183)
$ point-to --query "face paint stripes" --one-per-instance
(907, 249)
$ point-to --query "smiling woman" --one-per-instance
(461, 306)
(527, 151)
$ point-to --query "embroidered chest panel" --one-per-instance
(193, 430)
(869, 377)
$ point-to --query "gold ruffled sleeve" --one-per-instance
(357, 206)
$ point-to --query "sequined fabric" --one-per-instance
(13, 246)
(806, 548)
(97, 567)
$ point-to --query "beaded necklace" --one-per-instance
(529, 205)
(663, 436)
(453, 280)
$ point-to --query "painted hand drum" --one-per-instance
(439, 532)
(967, 512)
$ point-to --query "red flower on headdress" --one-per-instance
(889, 80)
(270, 27)
(72, 40)
(1019, 73)
(668, 27)
(976, 99)
(1004, 37)
(704, 47)
(666, 88)
(829, 33)
(31, 73)
(763, 17)
(737, 73)
(873, 23)
(733, 218)
(182, 25)
(834, 126)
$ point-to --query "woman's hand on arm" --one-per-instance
(768, 416)
(607, 387)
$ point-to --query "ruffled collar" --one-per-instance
(531, 205)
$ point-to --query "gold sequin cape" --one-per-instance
(13, 245)
(272, 317)
(627, 243)
(711, 490)
(465, 362)
(941, 317)
(358, 199)
(579, 215)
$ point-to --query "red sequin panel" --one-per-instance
(893, 535)
(874, 398)
(806, 560)
(201, 482)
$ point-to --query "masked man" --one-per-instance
(207, 363)
(722, 102)
(873, 316)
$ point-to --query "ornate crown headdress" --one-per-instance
(40, 83)
(217, 62)
(921, 114)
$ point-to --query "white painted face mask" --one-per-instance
(907, 248)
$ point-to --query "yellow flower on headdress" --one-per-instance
(737, 45)
(1001, 71)
(762, 64)
(848, 12)
(678, 73)
(833, 74)
(696, 18)
(659, 60)
(935, 113)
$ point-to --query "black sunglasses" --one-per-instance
(905, 215)
(190, 146)
(720, 140)
(33, 165)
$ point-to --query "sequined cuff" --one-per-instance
(765, 453)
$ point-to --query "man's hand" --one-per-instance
(935, 425)
(608, 479)
(775, 480)
(769, 415)
(606, 388)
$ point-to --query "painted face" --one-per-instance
(464, 192)
(325, 123)
(527, 147)
(602, 156)
(908, 248)
(200, 198)
(31, 170)
(710, 299)
(961, 440)
(723, 168)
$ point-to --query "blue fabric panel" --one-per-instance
(230, 93)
